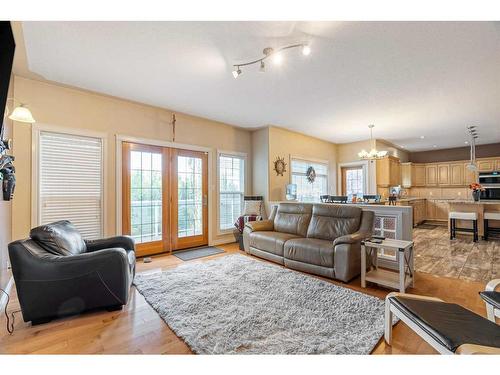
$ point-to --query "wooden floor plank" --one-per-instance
(138, 329)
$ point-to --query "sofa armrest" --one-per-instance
(492, 285)
(264, 225)
(124, 242)
(351, 238)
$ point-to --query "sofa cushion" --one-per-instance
(59, 238)
(271, 242)
(333, 220)
(293, 218)
(310, 250)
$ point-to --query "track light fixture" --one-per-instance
(236, 72)
(276, 57)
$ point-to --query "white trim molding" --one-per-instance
(369, 175)
(246, 171)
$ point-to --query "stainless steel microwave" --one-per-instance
(491, 184)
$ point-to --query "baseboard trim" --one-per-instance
(222, 241)
(3, 297)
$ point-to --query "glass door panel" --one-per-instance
(143, 197)
(190, 188)
(190, 196)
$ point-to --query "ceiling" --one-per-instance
(410, 79)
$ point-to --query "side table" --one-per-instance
(400, 280)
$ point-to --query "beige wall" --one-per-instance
(403, 156)
(78, 109)
(260, 161)
(289, 144)
(6, 206)
(348, 152)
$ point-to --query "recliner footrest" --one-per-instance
(449, 324)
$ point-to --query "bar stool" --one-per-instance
(456, 215)
(490, 215)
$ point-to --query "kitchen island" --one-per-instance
(468, 205)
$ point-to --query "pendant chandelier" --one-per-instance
(472, 166)
(373, 154)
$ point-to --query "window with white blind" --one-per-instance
(71, 181)
(309, 191)
(231, 189)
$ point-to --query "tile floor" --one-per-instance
(460, 258)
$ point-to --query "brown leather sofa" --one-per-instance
(322, 239)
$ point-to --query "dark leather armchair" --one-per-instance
(57, 273)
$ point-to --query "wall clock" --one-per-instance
(280, 166)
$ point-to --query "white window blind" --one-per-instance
(70, 181)
(231, 189)
(307, 191)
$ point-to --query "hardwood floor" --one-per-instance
(138, 329)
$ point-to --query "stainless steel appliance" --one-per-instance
(491, 183)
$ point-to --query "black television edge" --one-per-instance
(7, 48)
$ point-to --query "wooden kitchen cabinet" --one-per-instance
(469, 176)
(419, 211)
(486, 165)
(456, 174)
(437, 210)
(406, 175)
(443, 173)
(430, 211)
(497, 167)
(418, 174)
(388, 172)
(431, 175)
(441, 210)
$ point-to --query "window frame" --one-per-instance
(234, 154)
(326, 163)
(344, 180)
(38, 128)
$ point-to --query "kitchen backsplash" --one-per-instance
(440, 193)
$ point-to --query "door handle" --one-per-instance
(205, 200)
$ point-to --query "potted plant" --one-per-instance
(476, 190)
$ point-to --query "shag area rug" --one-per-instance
(240, 305)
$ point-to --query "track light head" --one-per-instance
(262, 67)
(236, 72)
(277, 58)
(306, 50)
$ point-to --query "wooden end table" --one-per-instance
(399, 280)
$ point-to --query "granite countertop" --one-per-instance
(470, 201)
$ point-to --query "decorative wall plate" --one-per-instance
(280, 166)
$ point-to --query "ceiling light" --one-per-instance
(275, 55)
(22, 114)
(373, 154)
(236, 72)
(277, 58)
(306, 50)
(466, 142)
(434, 146)
(422, 136)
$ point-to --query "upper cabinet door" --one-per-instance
(431, 177)
(418, 172)
(486, 165)
(456, 174)
(406, 175)
(469, 176)
(444, 174)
